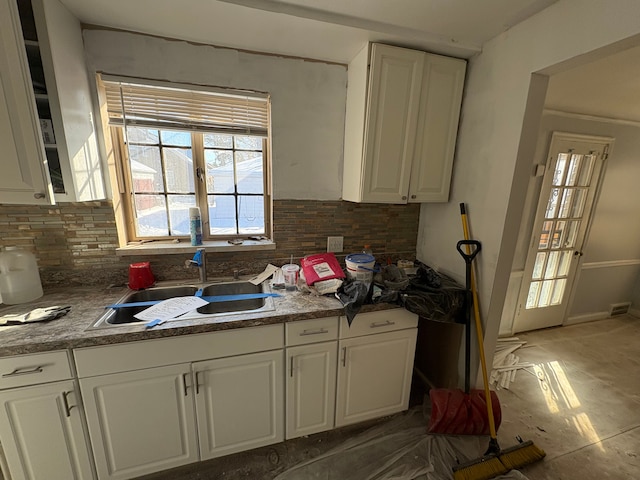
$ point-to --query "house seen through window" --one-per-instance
(178, 152)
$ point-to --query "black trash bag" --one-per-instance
(353, 294)
(434, 296)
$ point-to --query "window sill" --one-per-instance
(168, 247)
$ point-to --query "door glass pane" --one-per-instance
(545, 293)
(544, 236)
(574, 169)
(561, 167)
(552, 206)
(532, 298)
(572, 234)
(558, 291)
(565, 261)
(565, 204)
(537, 268)
(151, 216)
(222, 214)
(179, 213)
(579, 199)
(556, 238)
(552, 265)
(584, 179)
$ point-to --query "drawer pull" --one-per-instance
(314, 332)
(65, 403)
(23, 371)
(382, 324)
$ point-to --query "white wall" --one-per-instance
(308, 99)
(497, 131)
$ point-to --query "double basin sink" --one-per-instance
(125, 315)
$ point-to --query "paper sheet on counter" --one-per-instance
(171, 308)
(261, 277)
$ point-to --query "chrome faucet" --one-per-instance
(199, 260)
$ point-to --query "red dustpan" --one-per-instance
(458, 412)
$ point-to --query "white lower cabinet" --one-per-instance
(311, 388)
(142, 421)
(375, 369)
(42, 433)
(239, 403)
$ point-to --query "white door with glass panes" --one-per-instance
(574, 169)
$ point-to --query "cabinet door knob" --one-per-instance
(65, 403)
(413, 196)
(404, 197)
(39, 195)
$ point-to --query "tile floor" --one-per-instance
(581, 404)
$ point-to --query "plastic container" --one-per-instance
(19, 276)
(360, 267)
(290, 272)
(140, 276)
(195, 226)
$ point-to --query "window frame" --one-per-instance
(198, 155)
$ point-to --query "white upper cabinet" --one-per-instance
(403, 108)
(25, 178)
(51, 125)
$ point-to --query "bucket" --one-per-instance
(360, 267)
(19, 276)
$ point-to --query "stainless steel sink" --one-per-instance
(113, 317)
(232, 288)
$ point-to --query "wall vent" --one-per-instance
(619, 308)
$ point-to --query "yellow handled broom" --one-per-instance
(495, 461)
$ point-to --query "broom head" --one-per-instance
(492, 465)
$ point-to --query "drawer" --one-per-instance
(24, 370)
(378, 322)
(311, 331)
(102, 360)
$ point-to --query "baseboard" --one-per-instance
(587, 317)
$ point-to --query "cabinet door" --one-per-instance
(239, 403)
(65, 72)
(374, 375)
(141, 422)
(440, 102)
(41, 433)
(311, 388)
(390, 131)
(25, 178)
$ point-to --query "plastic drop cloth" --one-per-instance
(400, 449)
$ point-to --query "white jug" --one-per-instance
(19, 276)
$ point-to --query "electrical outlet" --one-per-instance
(335, 244)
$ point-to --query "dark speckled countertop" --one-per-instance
(87, 304)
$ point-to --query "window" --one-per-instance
(181, 148)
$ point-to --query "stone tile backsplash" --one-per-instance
(75, 243)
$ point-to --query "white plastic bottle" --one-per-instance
(19, 276)
(195, 226)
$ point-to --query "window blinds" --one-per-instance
(157, 105)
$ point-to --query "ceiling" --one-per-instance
(330, 30)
